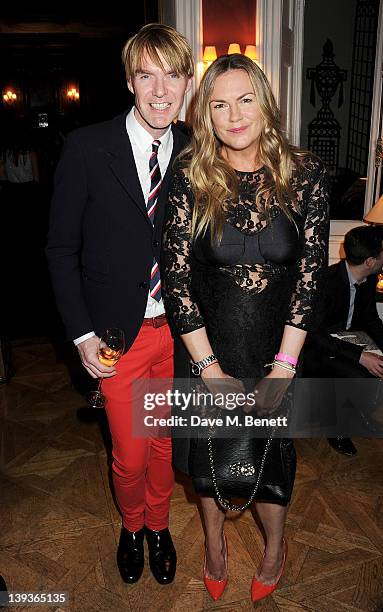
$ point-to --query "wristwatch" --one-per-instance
(198, 366)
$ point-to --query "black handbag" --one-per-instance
(259, 469)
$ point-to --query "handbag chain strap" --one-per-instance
(224, 503)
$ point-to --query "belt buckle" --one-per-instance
(158, 321)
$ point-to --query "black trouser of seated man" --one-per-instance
(331, 367)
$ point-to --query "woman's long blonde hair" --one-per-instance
(212, 180)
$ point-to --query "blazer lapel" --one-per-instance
(123, 165)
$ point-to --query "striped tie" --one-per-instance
(155, 186)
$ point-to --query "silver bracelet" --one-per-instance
(198, 366)
(282, 364)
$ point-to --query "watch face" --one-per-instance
(195, 369)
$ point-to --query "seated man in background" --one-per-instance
(349, 303)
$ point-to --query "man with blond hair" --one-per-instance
(104, 254)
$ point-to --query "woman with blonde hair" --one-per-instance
(244, 246)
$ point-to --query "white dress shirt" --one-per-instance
(141, 142)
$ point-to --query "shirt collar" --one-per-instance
(142, 138)
(351, 279)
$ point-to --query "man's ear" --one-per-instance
(129, 83)
(370, 262)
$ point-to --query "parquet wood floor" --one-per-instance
(59, 524)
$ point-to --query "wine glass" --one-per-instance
(110, 350)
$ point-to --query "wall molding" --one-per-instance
(188, 15)
(269, 41)
(295, 104)
(270, 26)
(167, 12)
(372, 192)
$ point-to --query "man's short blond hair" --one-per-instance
(154, 39)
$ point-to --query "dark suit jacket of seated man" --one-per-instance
(339, 310)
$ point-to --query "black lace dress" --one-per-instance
(263, 275)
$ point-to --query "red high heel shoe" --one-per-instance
(215, 588)
(259, 590)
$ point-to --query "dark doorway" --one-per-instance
(63, 68)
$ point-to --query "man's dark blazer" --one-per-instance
(332, 317)
(101, 242)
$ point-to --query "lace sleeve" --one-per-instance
(314, 259)
(182, 311)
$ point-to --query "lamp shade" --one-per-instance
(233, 48)
(9, 96)
(209, 54)
(375, 215)
(251, 52)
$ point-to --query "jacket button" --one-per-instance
(156, 243)
(143, 285)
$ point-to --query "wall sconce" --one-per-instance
(233, 48)
(73, 94)
(9, 97)
(251, 52)
(209, 55)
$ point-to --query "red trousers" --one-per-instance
(142, 467)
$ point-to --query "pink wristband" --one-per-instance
(287, 358)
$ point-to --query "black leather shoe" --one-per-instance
(162, 555)
(4, 599)
(344, 446)
(130, 555)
